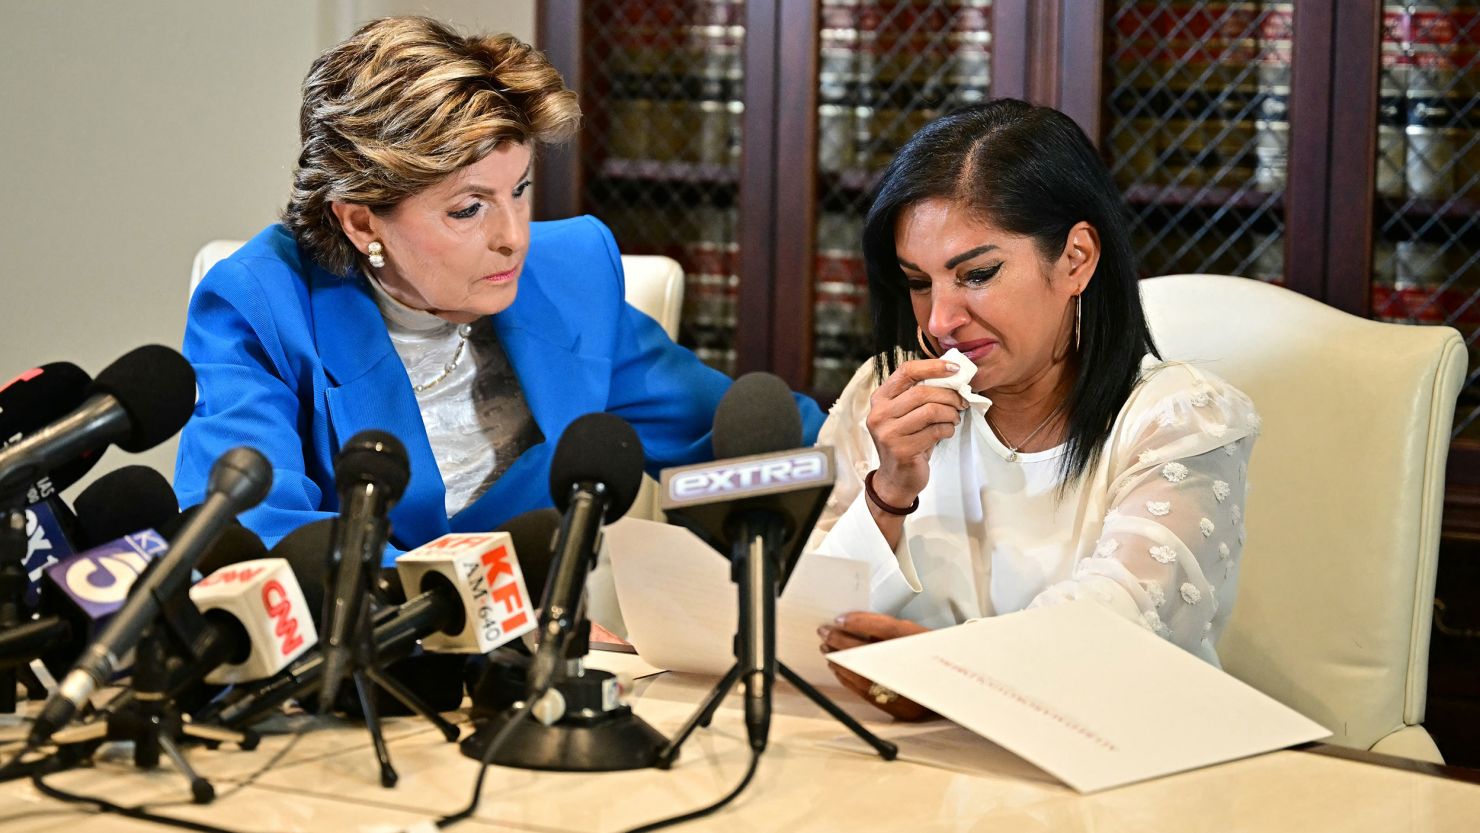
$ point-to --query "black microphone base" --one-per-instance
(615, 740)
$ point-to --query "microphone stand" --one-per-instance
(754, 570)
(151, 719)
(366, 668)
(595, 731)
(13, 544)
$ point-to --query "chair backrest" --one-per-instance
(1336, 585)
(655, 286)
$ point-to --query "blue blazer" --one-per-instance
(294, 361)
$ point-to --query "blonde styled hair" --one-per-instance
(400, 105)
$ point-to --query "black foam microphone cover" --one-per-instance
(756, 416)
(373, 456)
(598, 448)
(533, 536)
(155, 385)
(122, 502)
(307, 550)
(39, 397)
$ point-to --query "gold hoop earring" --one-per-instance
(1076, 323)
(925, 343)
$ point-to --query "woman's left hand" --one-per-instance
(862, 628)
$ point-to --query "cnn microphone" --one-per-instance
(239, 480)
(759, 505)
(136, 403)
(261, 617)
(594, 477)
(370, 473)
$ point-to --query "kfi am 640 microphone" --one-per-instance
(370, 474)
(482, 570)
(239, 480)
(138, 402)
(572, 719)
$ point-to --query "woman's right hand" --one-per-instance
(906, 419)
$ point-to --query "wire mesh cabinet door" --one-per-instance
(1196, 130)
(883, 71)
(663, 91)
(1426, 218)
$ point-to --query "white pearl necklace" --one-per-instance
(463, 331)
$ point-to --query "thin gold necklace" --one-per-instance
(1012, 450)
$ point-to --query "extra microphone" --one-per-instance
(239, 480)
(594, 477)
(371, 473)
(138, 402)
(759, 506)
(36, 399)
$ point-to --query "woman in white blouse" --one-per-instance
(1018, 442)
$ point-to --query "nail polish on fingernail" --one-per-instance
(952, 366)
(841, 619)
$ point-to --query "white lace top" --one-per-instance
(1153, 529)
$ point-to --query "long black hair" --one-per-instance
(1032, 172)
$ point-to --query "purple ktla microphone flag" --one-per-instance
(98, 580)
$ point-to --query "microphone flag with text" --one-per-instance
(239, 480)
(572, 718)
(438, 613)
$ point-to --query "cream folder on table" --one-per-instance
(1091, 698)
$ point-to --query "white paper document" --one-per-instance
(681, 608)
(1091, 698)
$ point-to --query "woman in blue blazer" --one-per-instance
(408, 291)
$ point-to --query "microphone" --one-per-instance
(122, 501)
(35, 399)
(482, 571)
(440, 611)
(261, 616)
(759, 505)
(239, 479)
(371, 473)
(594, 477)
(80, 594)
(138, 402)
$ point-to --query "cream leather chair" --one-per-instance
(654, 286)
(1336, 588)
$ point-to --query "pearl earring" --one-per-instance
(376, 254)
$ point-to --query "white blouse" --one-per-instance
(1153, 529)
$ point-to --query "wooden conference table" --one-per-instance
(327, 780)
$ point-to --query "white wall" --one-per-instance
(130, 134)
